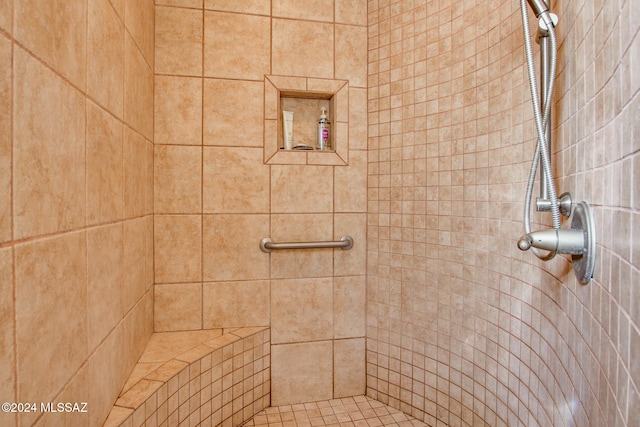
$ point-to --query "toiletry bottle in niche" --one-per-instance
(287, 128)
(323, 131)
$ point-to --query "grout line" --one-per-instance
(202, 164)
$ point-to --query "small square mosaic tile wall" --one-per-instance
(463, 328)
(358, 411)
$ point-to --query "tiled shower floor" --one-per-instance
(359, 411)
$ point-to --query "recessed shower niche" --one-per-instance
(306, 97)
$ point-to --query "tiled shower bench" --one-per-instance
(212, 378)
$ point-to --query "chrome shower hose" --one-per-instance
(541, 121)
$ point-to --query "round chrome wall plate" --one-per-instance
(584, 265)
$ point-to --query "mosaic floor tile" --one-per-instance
(359, 411)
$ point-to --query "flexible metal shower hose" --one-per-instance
(541, 120)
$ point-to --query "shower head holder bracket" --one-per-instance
(565, 204)
(543, 27)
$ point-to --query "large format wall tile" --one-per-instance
(179, 35)
(302, 263)
(77, 388)
(134, 266)
(357, 119)
(301, 310)
(291, 52)
(105, 56)
(258, 7)
(348, 183)
(104, 166)
(178, 110)
(140, 23)
(195, 4)
(118, 6)
(177, 307)
(349, 376)
(237, 46)
(231, 248)
(104, 389)
(51, 314)
(178, 179)
(233, 113)
(49, 151)
(312, 10)
(138, 96)
(56, 32)
(136, 174)
(235, 181)
(350, 63)
(6, 16)
(229, 304)
(138, 328)
(178, 246)
(352, 12)
(349, 306)
(301, 372)
(301, 189)
(105, 305)
(353, 261)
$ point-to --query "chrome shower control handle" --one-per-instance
(524, 244)
(562, 241)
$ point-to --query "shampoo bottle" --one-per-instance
(323, 131)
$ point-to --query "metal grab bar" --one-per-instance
(267, 245)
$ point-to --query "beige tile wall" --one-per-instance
(76, 224)
(455, 334)
(463, 328)
(215, 199)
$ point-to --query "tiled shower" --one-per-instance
(135, 187)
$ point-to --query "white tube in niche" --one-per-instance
(287, 125)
